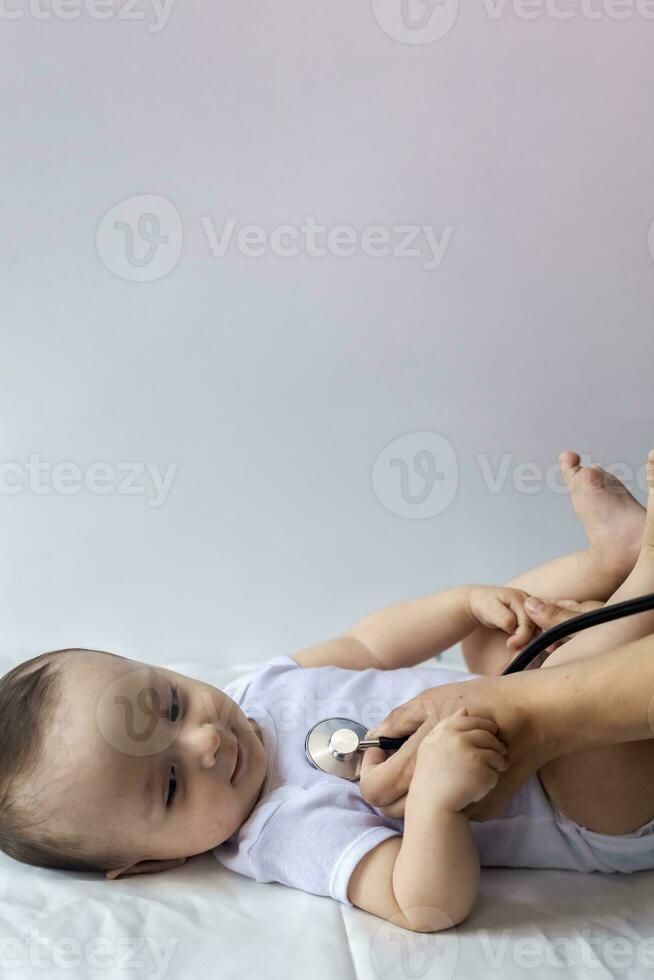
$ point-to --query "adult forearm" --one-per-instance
(599, 700)
(544, 714)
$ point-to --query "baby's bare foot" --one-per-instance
(613, 520)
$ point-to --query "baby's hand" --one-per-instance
(502, 608)
(459, 761)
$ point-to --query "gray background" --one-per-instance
(276, 382)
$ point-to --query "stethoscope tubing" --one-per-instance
(593, 618)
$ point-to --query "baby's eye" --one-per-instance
(175, 704)
(172, 786)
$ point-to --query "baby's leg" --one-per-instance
(610, 789)
(613, 521)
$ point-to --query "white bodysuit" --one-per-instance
(309, 829)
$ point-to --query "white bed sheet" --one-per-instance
(202, 920)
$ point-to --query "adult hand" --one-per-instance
(549, 614)
(546, 615)
(385, 779)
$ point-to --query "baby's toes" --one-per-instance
(570, 465)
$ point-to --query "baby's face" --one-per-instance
(145, 758)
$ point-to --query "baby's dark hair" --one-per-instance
(29, 694)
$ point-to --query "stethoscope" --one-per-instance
(336, 745)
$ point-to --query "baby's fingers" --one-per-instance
(494, 759)
(468, 723)
(485, 740)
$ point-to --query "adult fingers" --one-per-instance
(548, 614)
(524, 628)
(408, 717)
(384, 779)
(396, 809)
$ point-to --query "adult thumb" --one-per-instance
(548, 614)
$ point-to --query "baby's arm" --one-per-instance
(411, 632)
(428, 880)
(399, 636)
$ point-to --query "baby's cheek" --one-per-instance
(224, 814)
(198, 832)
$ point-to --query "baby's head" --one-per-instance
(108, 764)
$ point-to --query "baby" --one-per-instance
(112, 765)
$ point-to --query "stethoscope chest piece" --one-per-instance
(332, 746)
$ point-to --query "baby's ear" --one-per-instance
(144, 868)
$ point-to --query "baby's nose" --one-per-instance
(206, 741)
